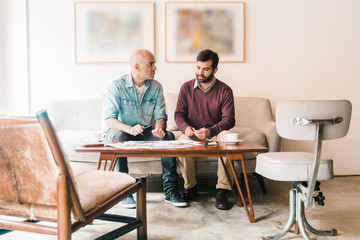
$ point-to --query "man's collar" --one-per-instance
(130, 83)
(211, 84)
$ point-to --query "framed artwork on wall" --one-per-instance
(109, 32)
(193, 26)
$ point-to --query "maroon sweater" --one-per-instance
(213, 110)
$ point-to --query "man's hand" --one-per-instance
(158, 132)
(136, 130)
(189, 131)
(202, 133)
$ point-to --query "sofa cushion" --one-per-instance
(251, 135)
(171, 101)
(71, 139)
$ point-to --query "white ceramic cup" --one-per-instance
(232, 137)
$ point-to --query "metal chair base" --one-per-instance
(297, 215)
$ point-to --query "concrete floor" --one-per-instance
(201, 220)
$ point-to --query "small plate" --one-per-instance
(232, 141)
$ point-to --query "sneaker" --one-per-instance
(175, 199)
(128, 202)
(189, 193)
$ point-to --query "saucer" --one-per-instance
(232, 141)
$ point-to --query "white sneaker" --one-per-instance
(175, 199)
(128, 202)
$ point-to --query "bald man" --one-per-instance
(135, 111)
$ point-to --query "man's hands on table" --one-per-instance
(201, 134)
(138, 129)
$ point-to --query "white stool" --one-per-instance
(304, 120)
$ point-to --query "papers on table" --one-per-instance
(154, 144)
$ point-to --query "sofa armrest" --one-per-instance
(272, 137)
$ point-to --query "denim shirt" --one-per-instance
(127, 105)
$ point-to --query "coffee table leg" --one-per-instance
(239, 201)
(105, 157)
(233, 190)
(232, 158)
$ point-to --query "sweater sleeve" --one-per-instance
(227, 115)
(181, 111)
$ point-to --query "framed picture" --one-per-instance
(193, 26)
(109, 32)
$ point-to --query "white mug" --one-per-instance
(231, 137)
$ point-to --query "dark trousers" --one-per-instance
(168, 164)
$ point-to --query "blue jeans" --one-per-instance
(168, 164)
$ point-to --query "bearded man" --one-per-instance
(205, 111)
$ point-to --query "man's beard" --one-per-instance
(206, 79)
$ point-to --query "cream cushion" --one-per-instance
(94, 188)
(292, 166)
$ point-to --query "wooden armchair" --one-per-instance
(37, 183)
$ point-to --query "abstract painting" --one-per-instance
(194, 26)
(110, 32)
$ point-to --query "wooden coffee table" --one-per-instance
(231, 151)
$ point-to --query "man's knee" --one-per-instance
(169, 136)
(116, 135)
(184, 137)
(222, 134)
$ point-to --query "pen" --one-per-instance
(144, 129)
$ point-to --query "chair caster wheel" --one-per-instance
(277, 224)
(334, 232)
(261, 238)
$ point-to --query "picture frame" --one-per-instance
(109, 32)
(193, 26)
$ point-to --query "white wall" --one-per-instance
(299, 49)
(2, 58)
(14, 95)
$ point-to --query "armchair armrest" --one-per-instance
(272, 137)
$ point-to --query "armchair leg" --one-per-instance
(63, 201)
(261, 182)
(141, 209)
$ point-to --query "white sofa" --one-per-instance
(78, 121)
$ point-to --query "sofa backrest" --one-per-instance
(88, 114)
(170, 102)
(250, 112)
(77, 114)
